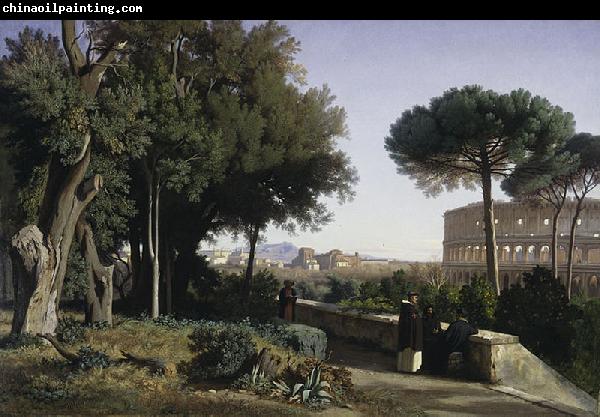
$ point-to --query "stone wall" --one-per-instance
(495, 358)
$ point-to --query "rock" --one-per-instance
(308, 341)
(212, 391)
(348, 406)
(243, 391)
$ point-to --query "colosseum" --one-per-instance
(523, 239)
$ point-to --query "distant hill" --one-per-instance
(284, 251)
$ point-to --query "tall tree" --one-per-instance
(544, 180)
(56, 100)
(277, 140)
(183, 153)
(469, 137)
(582, 181)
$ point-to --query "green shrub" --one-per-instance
(479, 300)
(369, 289)
(309, 290)
(585, 369)
(221, 350)
(340, 289)
(277, 334)
(261, 305)
(427, 296)
(540, 314)
(69, 330)
(447, 300)
(42, 388)
(396, 288)
(90, 358)
(254, 381)
(18, 341)
(375, 305)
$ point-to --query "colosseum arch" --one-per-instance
(518, 256)
(593, 290)
(521, 245)
(594, 256)
(530, 254)
(545, 254)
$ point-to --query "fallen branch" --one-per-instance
(70, 356)
(156, 365)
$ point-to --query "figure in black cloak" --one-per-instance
(287, 301)
(410, 335)
(432, 331)
(458, 333)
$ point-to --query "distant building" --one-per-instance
(304, 258)
(373, 262)
(336, 259)
(333, 259)
(215, 256)
(238, 258)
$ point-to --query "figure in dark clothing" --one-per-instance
(432, 330)
(458, 333)
(287, 301)
(410, 335)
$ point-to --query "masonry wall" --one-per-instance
(523, 238)
(496, 358)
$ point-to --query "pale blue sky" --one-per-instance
(377, 69)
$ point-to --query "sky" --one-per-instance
(378, 69)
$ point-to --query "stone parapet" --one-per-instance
(492, 357)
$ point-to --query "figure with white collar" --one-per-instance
(410, 337)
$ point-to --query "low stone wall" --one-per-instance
(495, 358)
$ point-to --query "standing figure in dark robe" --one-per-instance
(410, 335)
(432, 330)
(287, 301)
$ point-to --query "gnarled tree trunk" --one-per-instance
(99, 295)
(39, 254)
(40, 259)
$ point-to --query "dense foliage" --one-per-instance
(585, 369)
(221, 350)
(479, 300)
(540, 314)
(221, 297)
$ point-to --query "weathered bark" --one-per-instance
(252, 239)
(269, 363)
(6, 286)
(40, 261)
(555, 244)
(578, 209)
(136, 256)
(99, 294)
(154, 250)
(39, 254)
(490, 229)
(168, 269)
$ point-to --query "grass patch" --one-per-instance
(39, 380)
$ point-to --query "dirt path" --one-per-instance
(374, 373)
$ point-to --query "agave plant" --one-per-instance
(256, 376)
(312, 391)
